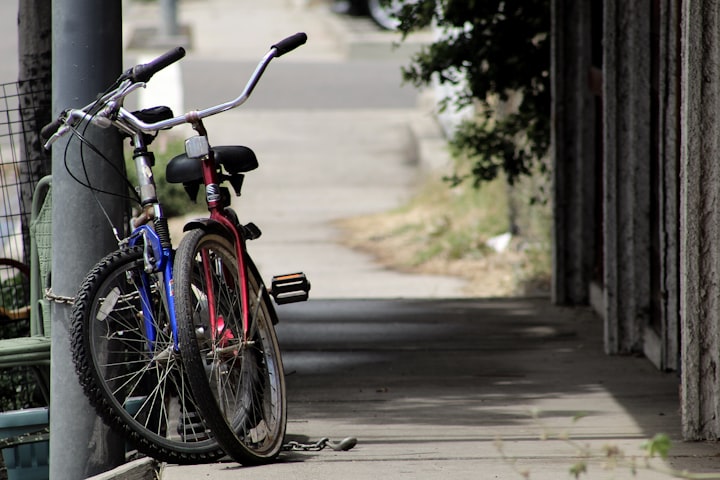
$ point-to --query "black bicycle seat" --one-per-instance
(235, 159)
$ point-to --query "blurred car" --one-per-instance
(381, 12)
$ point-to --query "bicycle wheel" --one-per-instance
(137, 385)
(239, 384)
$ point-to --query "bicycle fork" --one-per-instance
(157, 248)
(156, 258)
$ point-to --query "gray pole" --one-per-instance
(169, 16)
(87, 57)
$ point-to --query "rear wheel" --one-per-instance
(238, 380)
(137, 385)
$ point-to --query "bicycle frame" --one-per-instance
(157, 248)
(216, 208)
(151, 243)
(158, 254)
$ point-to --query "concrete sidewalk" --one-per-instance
(426, 381)
(439, 388)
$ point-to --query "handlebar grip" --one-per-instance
(47, 131)
(290, 43)
(143, 72)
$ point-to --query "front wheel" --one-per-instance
(125, 358)
(236, 376)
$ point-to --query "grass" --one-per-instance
(444, 229)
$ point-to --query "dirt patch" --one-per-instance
(489, 273)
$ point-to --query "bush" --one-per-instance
(173, 198)
(498, 55)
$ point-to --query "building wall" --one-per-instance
(661, 186)
(573, 133)
(667, 340)
(699, 213)
(626, 173)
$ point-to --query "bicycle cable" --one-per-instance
(93, 190)
(84, 142)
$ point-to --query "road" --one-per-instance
(353, 84)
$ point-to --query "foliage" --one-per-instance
(449, 225)
(498, 53)
(174, 199)
(14, 291)
(451, 231)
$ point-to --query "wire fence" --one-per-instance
(22, 164)
(20, 103)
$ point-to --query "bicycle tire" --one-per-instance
(117, 369)
(240, 386)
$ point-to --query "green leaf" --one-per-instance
(579, 416)
(578, 469)
(659, 445)
(498, 54)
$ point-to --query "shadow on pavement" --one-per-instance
(471, 369)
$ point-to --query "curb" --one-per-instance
(140, 469)
(362, 39)
(430, 141)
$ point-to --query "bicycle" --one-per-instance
(136, 348)
(226, 319)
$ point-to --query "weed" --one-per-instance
(613, 458)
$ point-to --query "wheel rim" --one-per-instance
(245, 377)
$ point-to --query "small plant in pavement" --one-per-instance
(612, 457)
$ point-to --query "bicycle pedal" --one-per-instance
(290, 288)
(251, 231)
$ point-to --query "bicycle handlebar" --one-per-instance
(143, 72)
(52, 127)
(114, 114)
(290, 43)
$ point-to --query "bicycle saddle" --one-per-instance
(235, 159)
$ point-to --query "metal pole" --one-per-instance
(87, 57)
(169, 18)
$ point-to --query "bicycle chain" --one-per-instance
(344, 445)
(305, 447)
(49, 295)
